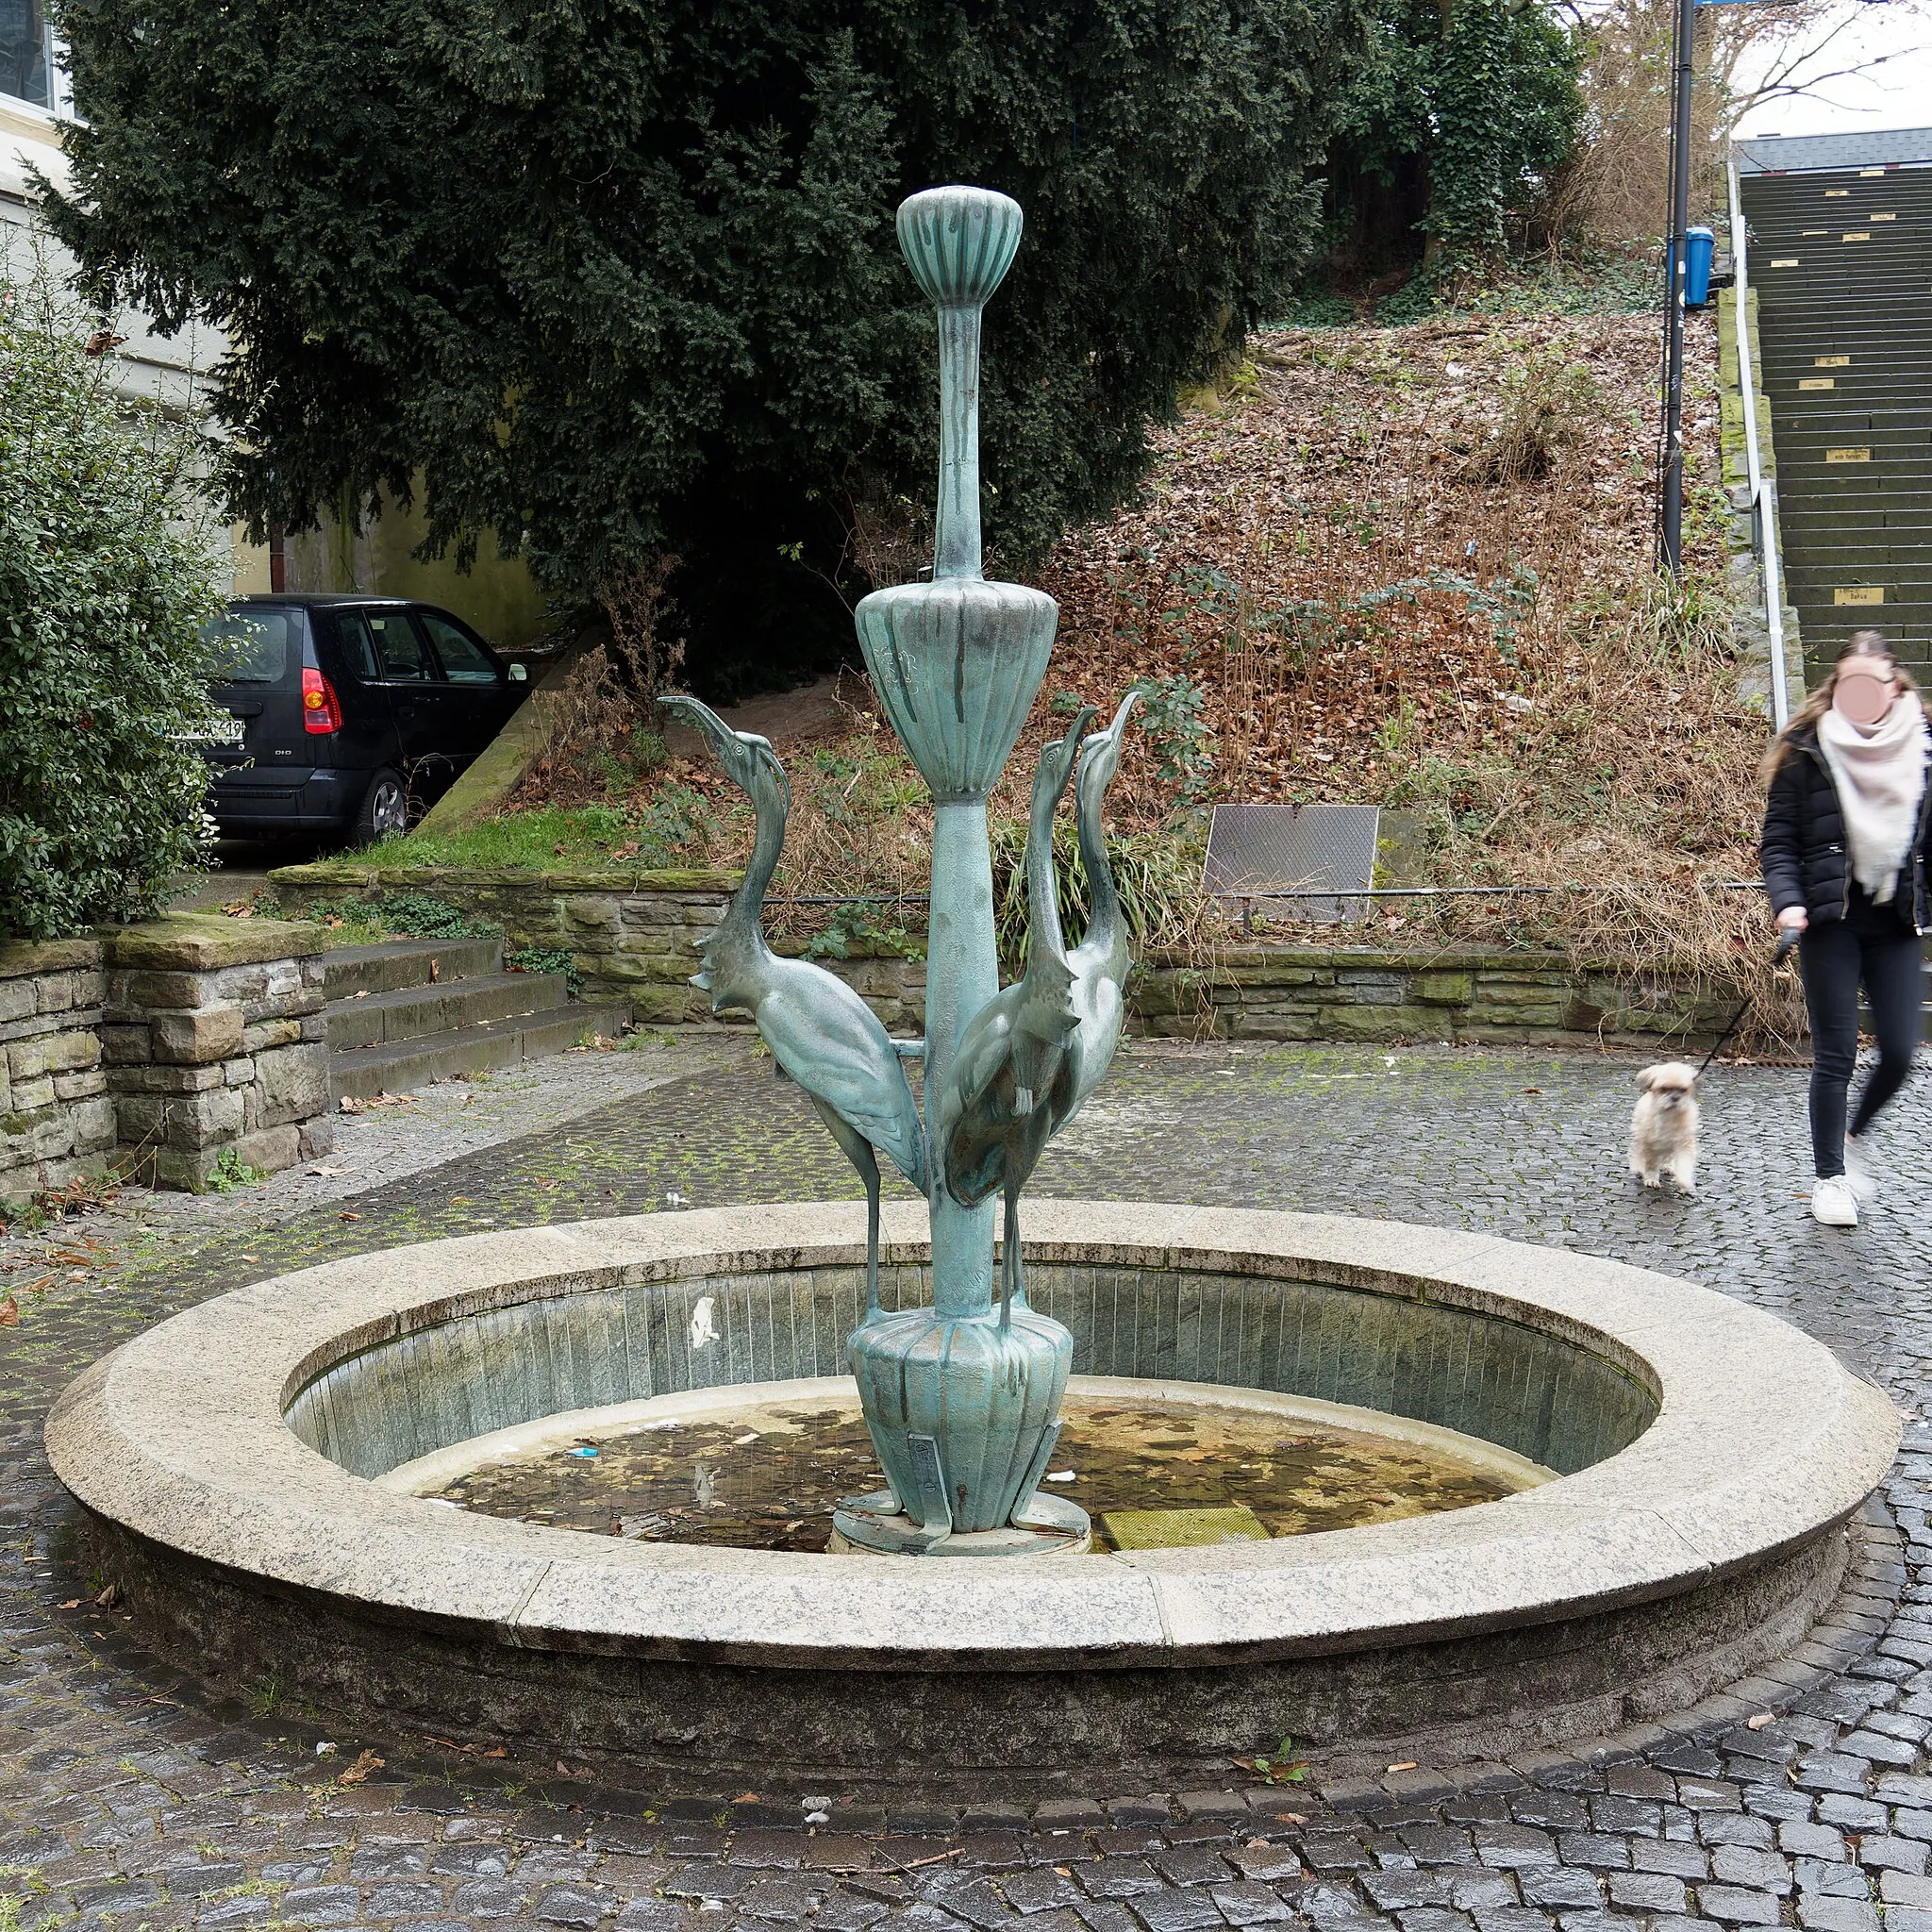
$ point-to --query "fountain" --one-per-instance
(962, 1401)
(1645, 1489)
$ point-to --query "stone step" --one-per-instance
(412, 1012)
(393, 964)
(402, 1066)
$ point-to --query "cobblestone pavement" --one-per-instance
(127, 1800)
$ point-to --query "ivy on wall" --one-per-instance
(1462, 110)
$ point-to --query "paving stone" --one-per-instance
(1193, 1865)
(1434, 1919)
(1041, 1891)
(1599, 1848)
(1740, 1865)
(489, 1898)
(1737, 1828)
(787, 1901)
(402, 1899)
(1267, 1863)
(845, 1911)
(1101, 1915)
(1664, 1855)
(1246, 1903)
(249, 1909)
(1564, 1886)
(1514, 1847)
(1853, 1813)
(1819, 1914)
(1176, 1910)
(1119, 1878)
(1647, 1891)
(322, 1905)
(975, 1901)
(1397, 1890)
(1482, 1892)
(1737, 1906)
(1892, 1853)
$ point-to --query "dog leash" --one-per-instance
(1787, 943)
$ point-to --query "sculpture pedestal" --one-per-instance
(1048, 1527)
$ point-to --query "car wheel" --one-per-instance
(385, 812)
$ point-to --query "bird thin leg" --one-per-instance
(1010, 1270)
(870, 1176)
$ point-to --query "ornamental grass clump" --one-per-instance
(106, 575)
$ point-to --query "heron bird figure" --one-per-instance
(1010, 1080)
(1100, 961)
(820, 1033)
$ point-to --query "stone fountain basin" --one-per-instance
(1709, 1456)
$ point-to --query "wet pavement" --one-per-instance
(127, 1800)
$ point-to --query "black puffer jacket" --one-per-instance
(1803, 849)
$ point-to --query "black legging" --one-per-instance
(1874, 944)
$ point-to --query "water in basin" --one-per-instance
(766, 1475)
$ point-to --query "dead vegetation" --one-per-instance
(1404, 566)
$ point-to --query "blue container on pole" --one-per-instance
(1698, 244)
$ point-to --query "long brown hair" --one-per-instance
(1864, 644)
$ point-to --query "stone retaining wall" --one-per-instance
(635, 936)
(160, 1049)
(55, 1115)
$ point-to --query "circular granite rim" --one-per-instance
(1763, 1442)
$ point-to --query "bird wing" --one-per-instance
(830, 1041)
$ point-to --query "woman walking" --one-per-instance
(1845, 856)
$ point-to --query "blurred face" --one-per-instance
(1863, 690)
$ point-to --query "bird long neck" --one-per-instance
(740, 936)
(1043, 895)
(1105, 930)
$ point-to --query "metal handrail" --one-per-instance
(1763, 502)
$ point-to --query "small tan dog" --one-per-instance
(1663, 1125)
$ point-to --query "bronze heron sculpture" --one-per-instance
(1099, 963)
(822, 1034)
(1010, 1083)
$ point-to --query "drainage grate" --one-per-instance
(1260, 852)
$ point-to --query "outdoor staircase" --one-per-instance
(1855, 459)
(408, 1011)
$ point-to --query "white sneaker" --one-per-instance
(1833, 1203)
(1864, 1183)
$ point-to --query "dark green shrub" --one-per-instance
(613, 279)
(107, 575)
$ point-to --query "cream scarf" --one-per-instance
(1881, 776)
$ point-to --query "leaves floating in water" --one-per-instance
(769, 1478)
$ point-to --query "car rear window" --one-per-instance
(247, 647)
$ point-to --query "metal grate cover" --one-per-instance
(1258, 852)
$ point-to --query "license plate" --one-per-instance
(222, 730)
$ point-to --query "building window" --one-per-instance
(28, 69)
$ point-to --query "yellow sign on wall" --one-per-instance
(1816, 382)
(1836, 194)
(1831, 361)
(1881, 217)
(1848, 455)
(1858, 235)
(1868, 174)
(1862, 593)
(1790, 261)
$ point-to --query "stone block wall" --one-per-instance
(57, 1118)
(635, 936)
(159, 1049)
(1464, 995)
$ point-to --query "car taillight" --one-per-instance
(322, 710)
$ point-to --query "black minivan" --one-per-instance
(348, 712)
